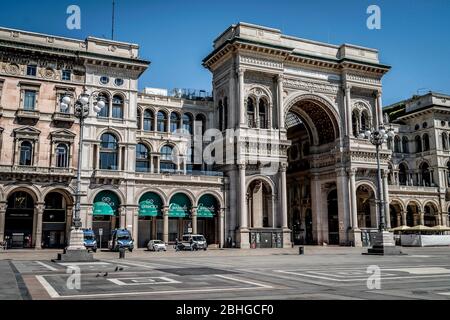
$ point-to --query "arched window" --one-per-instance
(448, 173)
(397, 143)
(143, 158)
(444, 141)
(148, 120)
(174, 122)
(364, 121)
(426, 142)
(162, 121)
(405, 145)
(251, 113)
(355, 123)
(389, 143)
(402, 174)
(426, 174)
(187, 123)
(220, 111)
(117, 107)
(109, 152)
(263, 123)
(225, 113)
(418, 142)
(139, 119)
(104, 112)
(200, 121)
(62, 156)
(167, 160)
(26, 153)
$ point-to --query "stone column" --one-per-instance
(244, 232)
(3, 207)
(40, 207)
(421, 218)
(122, 217)
(69, 215)
(280, 102)
(379, 108)
(342, 188)
(316, 201)
(166, 224)
(283, 198)
(135, 224)
(354, 209)
(399, 219)
(222, 227)
(194, 220)
(404, 214)
(387, 212)
(242, 111)
(348, 110)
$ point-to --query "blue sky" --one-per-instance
(176, 35)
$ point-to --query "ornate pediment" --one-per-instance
(27, 133)
(63, 135)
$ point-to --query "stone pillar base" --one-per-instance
(243, 239)
(287, 243)
(384, 244)
(76, 252)
(357, 242)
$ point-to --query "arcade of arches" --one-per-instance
(30, 224)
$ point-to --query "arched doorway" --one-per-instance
(105, 215)
(19, 220)
(259, 195)
(180, 207)
(150, 225)
(333, 218)
(207, 218)
(365, 200)
(54, 221)
(395, 210)
(431, 215)
(412, 214)
(313, 129)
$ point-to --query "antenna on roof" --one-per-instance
(113, 18)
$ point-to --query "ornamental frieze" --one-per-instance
(311, 86)
(261, 62)
(363, 79)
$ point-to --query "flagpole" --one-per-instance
(113, 18)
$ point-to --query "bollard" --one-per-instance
(121, 253)
(301, 250)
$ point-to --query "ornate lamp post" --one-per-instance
(384, 243)
(76, 251)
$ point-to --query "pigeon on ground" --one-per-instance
(98, 275)
(106, 274)
(117, 269)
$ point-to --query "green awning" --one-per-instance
(150, 205)
(179, 206)
(207, 206)
(106, 203)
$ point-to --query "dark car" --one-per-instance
(121, 238)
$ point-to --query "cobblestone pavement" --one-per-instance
(322, 273)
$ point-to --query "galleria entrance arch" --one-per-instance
(314, 196)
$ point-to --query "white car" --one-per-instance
(156, 245)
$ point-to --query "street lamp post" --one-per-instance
(76, 251)
(384, 243)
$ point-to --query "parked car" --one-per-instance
(90, 240)
(194, 242)
(121, 238)
(156, 245)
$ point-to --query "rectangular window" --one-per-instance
(29, 101)
(108, 161)
(66, 75)
(31, 70)
(117, 111)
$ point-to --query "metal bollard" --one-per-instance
(121, 253)
(301, 250)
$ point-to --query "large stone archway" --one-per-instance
(313, 128)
